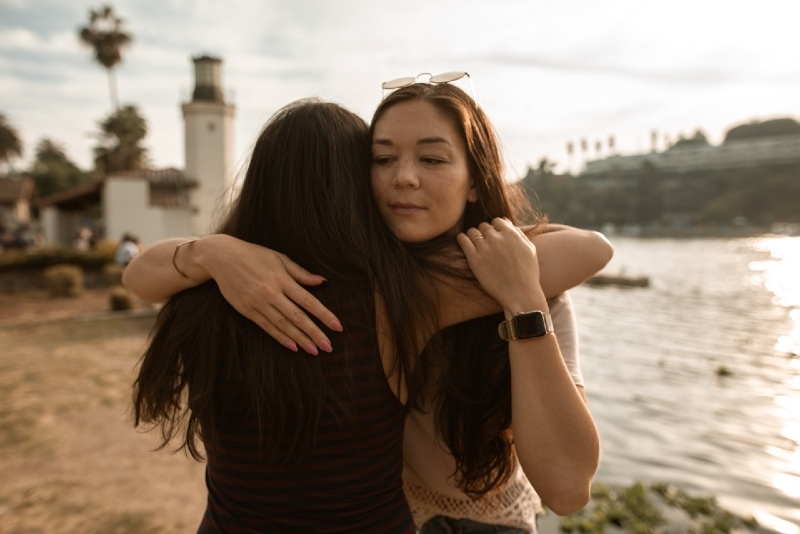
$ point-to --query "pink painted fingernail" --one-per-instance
(336, 325)
(326, 345)
(291, 345)
(311, 349)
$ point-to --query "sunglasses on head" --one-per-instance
(427, 77)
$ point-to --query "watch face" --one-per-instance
(529, 325)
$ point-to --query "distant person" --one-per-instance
(84, 239)
(127, 250)
(25, 237)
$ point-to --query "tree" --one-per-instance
(53, 171)
(10, 144)
(106, 36)
(698, 139)
(545, 167)
(120, 138)
(768, 128)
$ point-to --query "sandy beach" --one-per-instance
(70, 457)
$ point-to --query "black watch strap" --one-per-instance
(526, 325)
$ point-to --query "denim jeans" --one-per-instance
(448, 525)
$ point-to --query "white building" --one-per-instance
(155, 204)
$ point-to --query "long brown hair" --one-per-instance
(466, 366)
(305, 194)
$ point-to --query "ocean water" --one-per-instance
(696, 380)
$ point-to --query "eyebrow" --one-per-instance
(423, 141)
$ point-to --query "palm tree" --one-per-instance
(48, 151)
(106, 36)
(570, 152)
(10, 145)
(120, 138)
(53, 171)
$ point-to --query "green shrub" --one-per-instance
(41, 258)
(656, 509)
(121, 299)
(64, 280)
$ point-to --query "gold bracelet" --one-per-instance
(175, 257)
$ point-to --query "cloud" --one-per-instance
(545, 71)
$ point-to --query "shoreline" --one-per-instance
(704, 232)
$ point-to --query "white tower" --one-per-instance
(208, 123)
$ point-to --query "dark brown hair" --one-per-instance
(306, 194)
(466, 366)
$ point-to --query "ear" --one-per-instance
(472, 196)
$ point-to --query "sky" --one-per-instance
(547, 73)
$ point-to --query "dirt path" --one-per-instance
(69, 456)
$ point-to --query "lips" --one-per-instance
(404, 208)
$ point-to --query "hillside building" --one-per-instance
(737, 153)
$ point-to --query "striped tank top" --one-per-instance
(350, 481)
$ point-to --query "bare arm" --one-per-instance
(554, 434)
(260, 283)
(264, 285)
(569, 256)
(566, 256)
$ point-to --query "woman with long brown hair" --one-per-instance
(453, 144)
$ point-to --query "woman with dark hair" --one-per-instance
(480, 388)
(433, 151)
(296, 444)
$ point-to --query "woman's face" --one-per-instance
(420, 176)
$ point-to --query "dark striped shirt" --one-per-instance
(351, 479)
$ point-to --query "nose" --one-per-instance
(406, 175)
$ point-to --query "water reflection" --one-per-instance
(652, 361)
(780, 277)
(780, 271)
(790, 344)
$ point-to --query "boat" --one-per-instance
(622, 280)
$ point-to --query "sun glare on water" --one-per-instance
(781, 277)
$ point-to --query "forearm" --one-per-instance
(554, 433)
(152, 276)
(555, 436)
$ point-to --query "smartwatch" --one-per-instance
(526, 325)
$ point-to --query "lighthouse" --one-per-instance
(208, 126)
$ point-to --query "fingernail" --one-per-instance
(322, 278)
(336, 325)
(291, 345)
(312, 349)
(326, 345)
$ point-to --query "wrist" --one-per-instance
(210, 253)
(191, 259)
(526, 325)
(536, 301)
(181, 247)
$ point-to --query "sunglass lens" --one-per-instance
(398, 83)
(448, 77)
